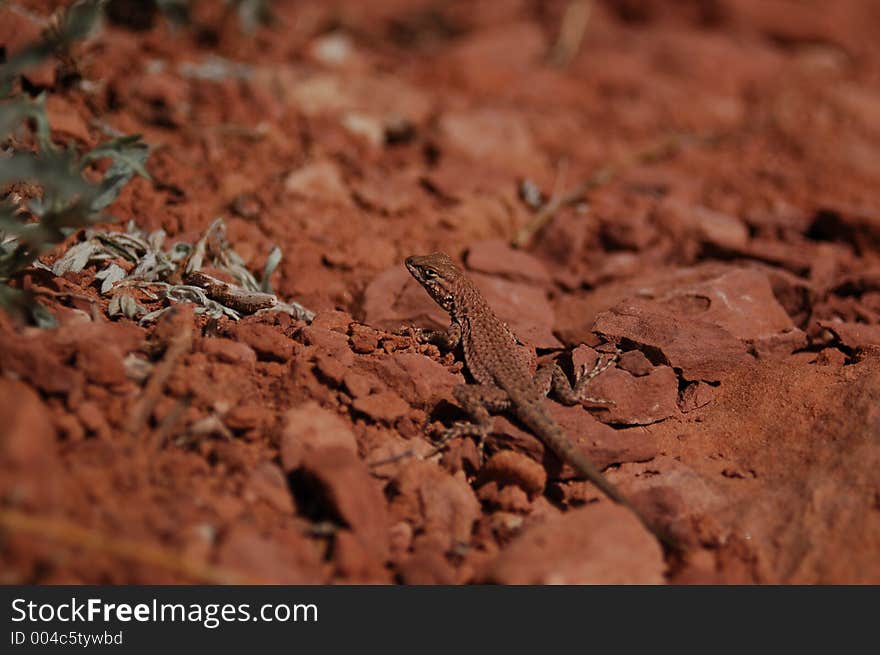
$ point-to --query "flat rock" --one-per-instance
(601, 543)
(66, 120)
(854, 335)
(384, 406)
(99, 348)
(341, 482)
(635, 363)
(419, 380)
(311, 427)
(227, 350)
(709, 226)
(268, 342)
(266, 482)
(636, 400)
(320, 180)
(508, 467)
(439, 505)
(740, 300)
(496, 257)
(427, 567)
(490, 136)
(700, 350)
(28, 436)
(492, 60)
(602, 444)
(270, 561)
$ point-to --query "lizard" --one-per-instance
(502, 372)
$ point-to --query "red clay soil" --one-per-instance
(729, 249)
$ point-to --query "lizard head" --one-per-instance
(438, 274)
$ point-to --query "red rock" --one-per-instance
(780, 345)
(165, 97)
(356, 563)
(438, 505)
(346, 488)
(331, 342)
(268, 342)
(831, 357)
(270, 561)
(602, 543)
(508, 467)
(603, 444)
(330, 368)
(721, 229)
(319, 180)
(585, 358)
(267, 482)
(717, 228)
(311, 427)
(792, 292)
(93, 419)
(696, 395)
(490, 136)
(390, 192)
(28, 436)
(427, 567)
(700, 350)
(635, 363)
(246, 417)
(66, 120)
(359, 385)
(401, 539)
(740, 300)
(506, 498)
(419, 380)
(100, 349)
(332, 320)
(364, 339)
(228, 351)
(637, 400)
(853, 335)
(496, 257)
(491, 60)
(385, 406)
(19, 29)
(102, 365)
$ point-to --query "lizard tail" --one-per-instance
(538, 420)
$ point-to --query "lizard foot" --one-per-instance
(458, 430)
(584, 377)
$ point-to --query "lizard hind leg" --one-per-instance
(479, 401)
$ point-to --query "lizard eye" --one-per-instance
(430, 274)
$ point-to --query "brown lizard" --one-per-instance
(502, 371)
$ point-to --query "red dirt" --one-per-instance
(738, 270)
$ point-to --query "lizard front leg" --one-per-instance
(446, 339)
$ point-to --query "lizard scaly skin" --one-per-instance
(501, 369)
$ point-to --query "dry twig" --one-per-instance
(179, 345)
(655, 152)
(571, 32)
(77, 536)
